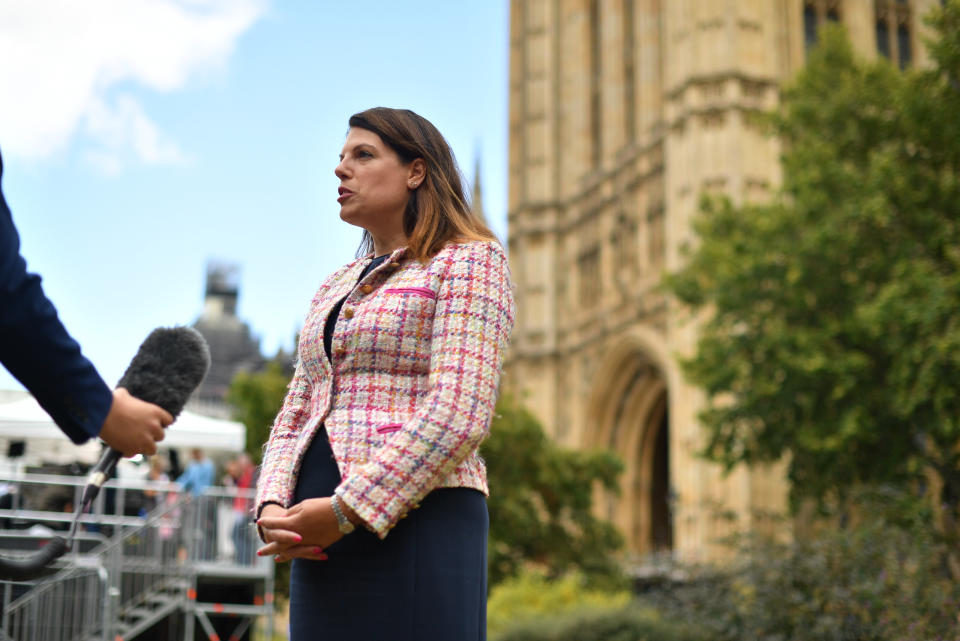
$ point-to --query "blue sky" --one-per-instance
(143, 138)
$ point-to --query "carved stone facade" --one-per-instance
(622, 113)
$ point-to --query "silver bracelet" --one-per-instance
(343, 523)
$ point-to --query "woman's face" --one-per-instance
(374, 183)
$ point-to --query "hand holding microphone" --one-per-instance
(134, 426)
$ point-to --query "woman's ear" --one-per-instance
(418, 171)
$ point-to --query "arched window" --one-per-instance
(903, 45)
(809, 25)
(815, 13)
(883, 38)
(894, 34)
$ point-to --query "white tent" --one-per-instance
(24, 420)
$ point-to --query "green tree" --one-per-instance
(541, 497)
(256, 398)
(831, 315)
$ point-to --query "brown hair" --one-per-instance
(437, 212)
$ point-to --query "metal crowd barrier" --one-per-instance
(131, 573)
(65, 609)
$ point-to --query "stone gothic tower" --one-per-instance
(233, 348)
(622, 113)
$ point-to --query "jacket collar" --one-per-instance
(395, 256)
(348, 279)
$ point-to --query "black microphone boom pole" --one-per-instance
(168, 367)
(28, 567)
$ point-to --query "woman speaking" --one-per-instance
(371, 481)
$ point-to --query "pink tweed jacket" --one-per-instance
(409, 391)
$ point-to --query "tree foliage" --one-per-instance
(256, 398)
(831, 328)
(626, 624)
(541, 497)
(879, 579)
(532, 598)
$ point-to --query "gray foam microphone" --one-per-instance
(168, 367)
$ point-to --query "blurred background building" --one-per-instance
(622, 114)
(233, 348)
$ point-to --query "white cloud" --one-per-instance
(105, 162)
(123, 126)
(63, 60)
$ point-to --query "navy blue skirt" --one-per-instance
(426, 580)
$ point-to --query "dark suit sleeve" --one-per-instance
(36, 348)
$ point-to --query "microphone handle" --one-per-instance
(99, 475)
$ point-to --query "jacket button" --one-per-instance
(348, 312)
(366, 289)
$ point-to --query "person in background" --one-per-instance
(37, 350)
(231, 474)
(156, 474)
(167, 526)
(198, 474)
(243, 480)
(201, 513)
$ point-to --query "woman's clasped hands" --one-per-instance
(302, 531)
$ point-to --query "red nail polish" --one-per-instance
(322, 557)
(317, 550)
(298, 538)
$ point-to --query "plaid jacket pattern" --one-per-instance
(408, 393)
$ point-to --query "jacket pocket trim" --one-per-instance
(389, 427)
(426, 292)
